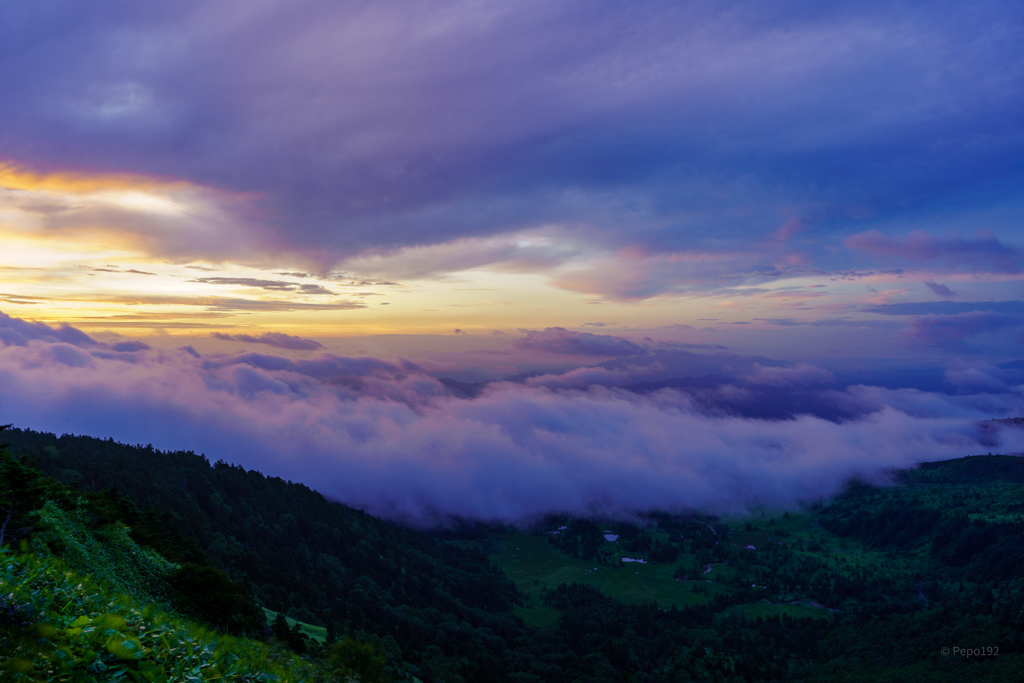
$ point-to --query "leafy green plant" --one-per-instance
(56, 625)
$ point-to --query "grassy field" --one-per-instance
(802, 529)
(536, 566)
(977, 488)
(317, 633)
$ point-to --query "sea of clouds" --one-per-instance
(388, 437)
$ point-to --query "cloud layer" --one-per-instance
(678, 147)
(388, 437)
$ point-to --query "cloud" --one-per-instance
(273, 285)
(130, 347)
(225, 304)
(117, 269)
(385, 436)
(941, 290)
(669, 360)
(561, 340)
(686, 345)
(830, 322)
(801, 374)
(679, 129)
(314, 289)
(278, 339)
(579, 378)
(518, 252)
(951, 332)
(979, 254)
(270, 285)
(14, 331)
(633, 273)
(325, 367)
(948, 308)
(133, 212)
(980, 374)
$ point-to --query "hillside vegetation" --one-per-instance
(870, 587)
(57, 625)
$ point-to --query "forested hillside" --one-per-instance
(868, 587)
(315, 560)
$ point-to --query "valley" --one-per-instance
(868, 586)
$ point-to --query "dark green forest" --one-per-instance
(869, 586)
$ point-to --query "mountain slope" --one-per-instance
(870, 587)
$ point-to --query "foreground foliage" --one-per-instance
(56, 625)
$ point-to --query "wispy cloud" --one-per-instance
(947, 307)
(225, 304)
(563, 341)
(270, 285)
(941, 290)
(278, 339)
(977, 254)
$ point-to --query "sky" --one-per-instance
(492, 259)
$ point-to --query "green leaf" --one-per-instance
(109, 621)
(125, 649)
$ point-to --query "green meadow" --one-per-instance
(536, 566)
(317, 633)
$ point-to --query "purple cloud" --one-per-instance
(941, 290)
(951, 332)
(802, 374)
(130, 347)
(19, 332)
(986, 254)
(632, 130)
(980, 374)
(1013, 307)
(278, 339)
(386, 437)
(270, 285)
(561, 340)
(325, 367)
